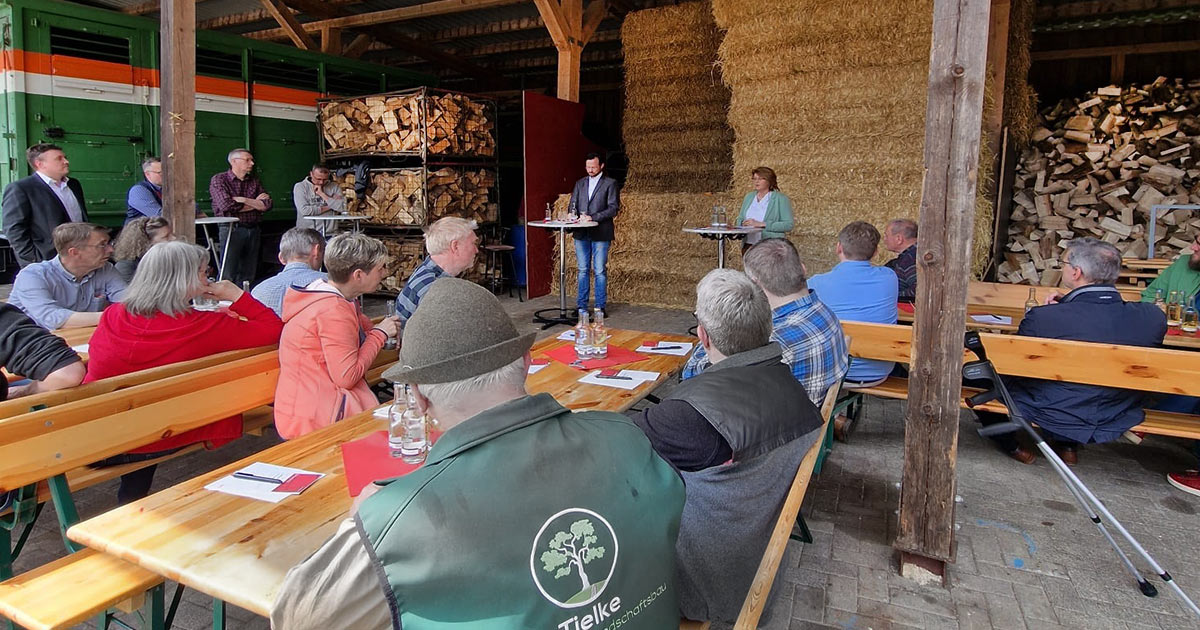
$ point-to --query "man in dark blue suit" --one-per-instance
(1071, 414)
(595, 198)
(33, 206)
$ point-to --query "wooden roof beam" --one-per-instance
(516, 25)
(291, 26)
(250, 17)
(1096, 8)
(388, 16)
(358, 46)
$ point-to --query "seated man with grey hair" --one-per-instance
(804, 327)
(73, 288)
(737, 432)
(1071, 414)
(452, 246)
(301, 251)
(900, 238)
(524, 515)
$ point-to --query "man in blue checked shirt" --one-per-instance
(810, 334)
(452, 246)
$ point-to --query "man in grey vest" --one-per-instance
(737, 433)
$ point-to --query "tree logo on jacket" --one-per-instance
(573, 558)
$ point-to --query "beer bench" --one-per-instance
(44, 456)
(789, 526)
(1129, 367)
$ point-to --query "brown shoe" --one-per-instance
(841, 428)
(1069, 454)
(1022, 455)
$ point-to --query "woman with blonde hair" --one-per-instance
(156, 325)
(328, 344)
(135, 240)
(765, 207)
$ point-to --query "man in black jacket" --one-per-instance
(595, 198)
(35, 205)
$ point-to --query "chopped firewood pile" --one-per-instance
(397, 196)
(1096, 168)
(452, 125)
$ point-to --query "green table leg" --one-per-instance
(218, 614)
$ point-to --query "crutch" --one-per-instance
(982, 369)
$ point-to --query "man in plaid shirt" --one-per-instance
(810, 334)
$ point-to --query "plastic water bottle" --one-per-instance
(583, 337)
(408, 434)
(599, 336)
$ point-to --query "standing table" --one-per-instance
(204, 222)
(324, 220)
(564, 316)
(721, 234)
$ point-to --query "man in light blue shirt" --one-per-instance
(858, 291)
(301, 250)
(73, 288)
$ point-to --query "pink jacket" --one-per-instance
(322, 362)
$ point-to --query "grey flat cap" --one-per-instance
(458, 331)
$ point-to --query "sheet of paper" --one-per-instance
(992, 319)
(567, 335)
(682, 348)
(382, 412)
(258, 490)
(534, 369)
(83, 347)
(636, 378)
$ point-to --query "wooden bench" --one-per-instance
(1130, 367)
(44, 454)
(789, 525)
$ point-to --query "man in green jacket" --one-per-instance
(525, 515)
(1183, 275)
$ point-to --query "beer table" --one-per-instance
(721, 234)
(204, 222)
(1191, 341)
(323, 221)
(564, 316)
(238, 550)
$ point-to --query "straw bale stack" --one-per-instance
(832, 96)
(652, 260)
(1020, 100)
(676, 134)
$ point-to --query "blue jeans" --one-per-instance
(593, 255)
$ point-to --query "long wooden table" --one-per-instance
(238, 550)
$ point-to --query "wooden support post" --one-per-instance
(953, 115)
(331, 40)
(1117, 69)
(570, 27)
(997, 74)
(177, 115)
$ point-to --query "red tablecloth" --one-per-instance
(616, 356)
(368, 459)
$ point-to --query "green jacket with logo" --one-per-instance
(530, 516)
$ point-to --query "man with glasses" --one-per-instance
(144, 198)
(238, 193)
(33, 206)
(73, 288)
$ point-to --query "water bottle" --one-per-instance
(599, 336)
(549, 212)
(408, 434)
(246, 286)
(391, 312)
(583, 337)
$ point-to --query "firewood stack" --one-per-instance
(463, 193)
(392, 124)
(407, 254)
(1096, 167)
(395, 197)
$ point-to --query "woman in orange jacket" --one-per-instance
(328, 344)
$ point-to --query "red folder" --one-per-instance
(368, 459)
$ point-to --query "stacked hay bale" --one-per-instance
(832, 96)
(676, 134)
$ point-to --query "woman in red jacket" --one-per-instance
(328, 344)
(156, 325)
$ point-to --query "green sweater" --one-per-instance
(1177, 277)
(779, 214)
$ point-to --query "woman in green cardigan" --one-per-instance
(765, 207)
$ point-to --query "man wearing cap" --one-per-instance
(524, 515)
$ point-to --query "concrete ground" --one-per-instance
(1027, 555)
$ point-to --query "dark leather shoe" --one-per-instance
(1069, 455)
(1022, 455)
(841, 428)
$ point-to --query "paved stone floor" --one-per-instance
(1027, 556)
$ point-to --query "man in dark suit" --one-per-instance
(1071, 414)
(595, 198)
(35, 205)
